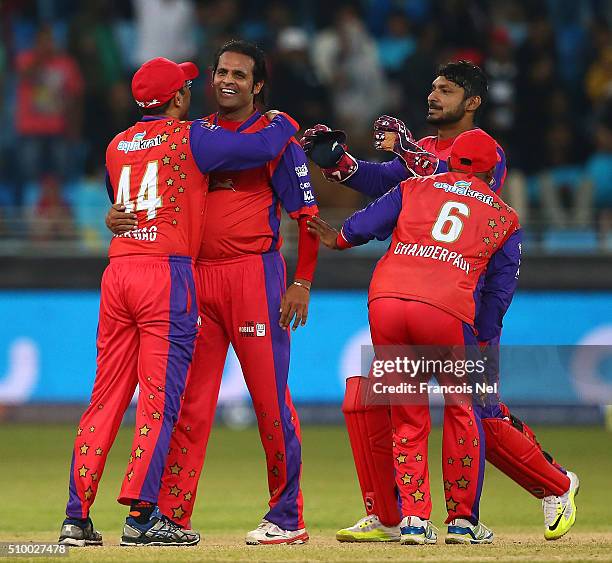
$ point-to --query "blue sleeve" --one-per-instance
(109, 187)
(377, 178)
(291, 181)
(499, 174)
(214, 148)
(376, 221)
(501, 279)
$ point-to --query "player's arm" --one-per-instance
(214, 148)
(501, 279)
(290, 181)
(376, 221)
(118, 221)
(499, 174)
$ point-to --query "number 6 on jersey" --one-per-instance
(147, 199)
(443, 232)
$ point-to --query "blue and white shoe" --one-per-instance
(462, 531)
(416, 531)
(158, 531)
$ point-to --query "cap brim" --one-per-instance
(190, 70)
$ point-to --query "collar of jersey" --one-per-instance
(245, 124)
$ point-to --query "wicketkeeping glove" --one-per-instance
(327, 149)
(418, 161)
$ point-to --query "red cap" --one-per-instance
(473, 151)
(157, 80)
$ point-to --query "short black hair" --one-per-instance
(260, 69)
(467, 75)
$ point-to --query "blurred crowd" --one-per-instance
(66, 66)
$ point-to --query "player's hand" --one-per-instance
(324, 231)
(118, 221)
(327, 148)
(295, 304)
(272, 113)
(391, 134)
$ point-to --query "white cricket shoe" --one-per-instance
(268, 533)
(417, 531)
(560, 512)
(369, 529)
(463, 531)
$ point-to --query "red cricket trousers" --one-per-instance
(239, 304)
(146, 336)
(396, 322)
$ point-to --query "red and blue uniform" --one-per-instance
(511, 444)
(241, 279)
(447, 232)
(149, 307)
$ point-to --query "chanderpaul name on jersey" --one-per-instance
(434, 252)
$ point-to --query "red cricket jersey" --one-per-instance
(152, 170)
(448, 228)
(243, 210)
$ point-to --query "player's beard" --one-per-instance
(447, 117)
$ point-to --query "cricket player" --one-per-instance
(245, 302)
(450, 228)
(457, 93)
(148, 324)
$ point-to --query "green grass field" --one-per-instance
(34, 462)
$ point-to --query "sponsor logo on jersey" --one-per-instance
(139, 143)
(252, 329)
(463, 188)
(433, 252)
(307, 189)
(301, 171)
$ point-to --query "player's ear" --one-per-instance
(473, 103)
(257, 87)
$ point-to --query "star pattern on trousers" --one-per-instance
(475, 442)
(175, 469)
(83, 449)
(451, 505)
(92, 429)
(174, 490)
(447, 485)
(404, 440)
(184, 450)
(276, 423)
(144, 430)
(156, 415)
(79, 431)
(192, 473)
(450, 461)
(274, 471)
(401, 458)
(467, 461)
(88, 493)
(130, 475)
(461, 441)
(83, 470)
(99, 451)
(187, 496)
(462, 483)
(418, 457)
(420, 482)
(94, 476)
(178, 512)
(418, 496)
(269, 436)
(138, 451)
(406, 478)
(280, 456)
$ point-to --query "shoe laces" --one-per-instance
(552, 506)
(367, 520)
